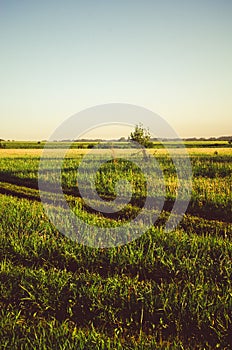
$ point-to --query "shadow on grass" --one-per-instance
(209, 211)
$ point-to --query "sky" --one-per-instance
(173, 57)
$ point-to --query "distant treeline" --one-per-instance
(220, 138)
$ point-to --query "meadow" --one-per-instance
(161, 291)
(11, 144)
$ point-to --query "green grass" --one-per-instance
(161, 291)
(86, 145)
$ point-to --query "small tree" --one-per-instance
(2, 145)
(141, 135)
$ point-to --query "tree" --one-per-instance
(141, 135)
(2, 145)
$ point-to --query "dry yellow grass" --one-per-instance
(210, 151)
(23, 152)
(20, 152)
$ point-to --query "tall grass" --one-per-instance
(161, 291)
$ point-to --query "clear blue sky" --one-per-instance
(171, 56)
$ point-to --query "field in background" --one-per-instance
(87, 145)
(162, 291)
(31, 152)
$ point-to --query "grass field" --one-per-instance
(86, 145)
(161, 291)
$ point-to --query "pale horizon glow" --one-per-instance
(171, 57)
(104, 131)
